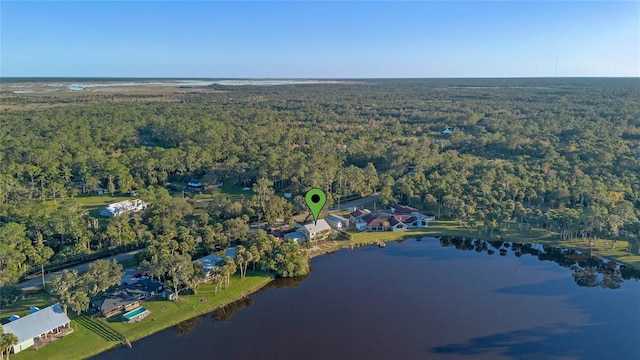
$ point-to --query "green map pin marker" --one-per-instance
(315, 199)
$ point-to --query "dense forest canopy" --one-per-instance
(560, 153)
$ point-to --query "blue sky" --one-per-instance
(320, 39)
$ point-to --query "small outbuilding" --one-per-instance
(195, 185)
(296, 236)
(337, 222)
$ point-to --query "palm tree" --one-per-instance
(6, 342)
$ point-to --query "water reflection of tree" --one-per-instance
(186, 327)
(224, 313)
(588, 270)
(287, 282)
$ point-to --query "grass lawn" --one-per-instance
(92, 204)
(232, 192)
(97, 201)
(166, 313)
(81, 344)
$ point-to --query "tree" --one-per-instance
(14, 247)
(237, 228)
(229, 268)
(9, 294)
(278, 208)
(255, 256)
(40, 256)
(102, 275)
(243, 258)
(180, 272)
(70, 290)
(289, 260)
(119, 230)
(7, 340)
(264, 191)
(213, 237)
(218, 278)
(386, 196)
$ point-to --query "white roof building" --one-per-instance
(37, 325)
(123, 207)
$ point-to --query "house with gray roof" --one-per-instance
(37, 326)
(316, 231)
(126, 298)
(337, 222)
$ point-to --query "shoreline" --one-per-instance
(358, 239)
(85, 343)
(452, 229)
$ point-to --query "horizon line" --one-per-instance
(315, 78)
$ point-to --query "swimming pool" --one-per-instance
(136, 314)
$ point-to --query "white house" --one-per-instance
(356, 218)
(315, 231)
(123, 207)
(48, 322)
(337, 222)
(446, 131)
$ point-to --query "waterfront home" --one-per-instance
(39, 327)
(356, 218)
(126, 298)
(316, 231)
(383, 222)
(405, 212)
(123, 207)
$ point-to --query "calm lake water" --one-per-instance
(429, 299)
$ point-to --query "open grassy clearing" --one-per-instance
(97, 201)
(232, 192)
